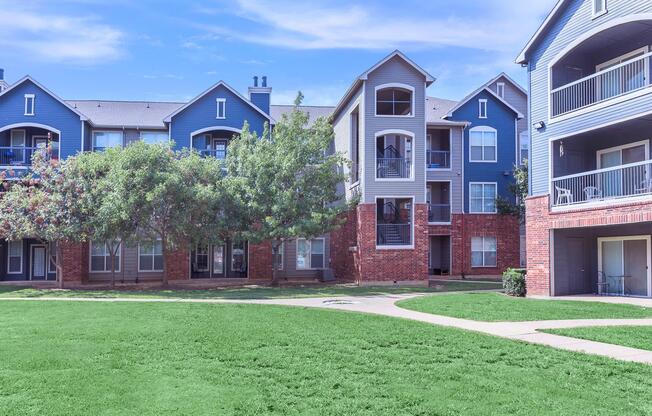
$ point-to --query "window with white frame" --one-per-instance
(105, 139)
(310, 253)
(483, 144)
(599, 7)
(483, 252)
(150, 256)
(482, 108)
(280, 257)
(524, 147)
(201, 258)
(15, 257)
(394, 101)
(221, 108)
(482, 198)
(500, 89)
(155, 137)
(29, 104)
(101, 257)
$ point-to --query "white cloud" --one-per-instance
(496, 25)
(59, 38)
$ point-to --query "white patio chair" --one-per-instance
(564, 194)
(592, 192)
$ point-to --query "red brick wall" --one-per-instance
(74, 262)
(392, 264)
(260, 261)
(540, 221)
(177, 264)
(343, 248)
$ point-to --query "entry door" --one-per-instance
(39, 262)
(219, 147)
(218, 261)
(614, 183)
(577, 276)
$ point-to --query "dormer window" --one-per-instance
(394, 100)
(482, 108)
(599, 7)
(221, 108)
(29, 104)
(500, 89)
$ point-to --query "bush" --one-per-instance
(514, 282)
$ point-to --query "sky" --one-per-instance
(174, 50)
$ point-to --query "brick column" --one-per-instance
(177, 264)
(260, 261)
(538, 245)
(343, 247)
(74, 262)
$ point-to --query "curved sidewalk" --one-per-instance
(385, 305)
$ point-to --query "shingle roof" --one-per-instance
(313, 111)
(437, 108)
(125, 113)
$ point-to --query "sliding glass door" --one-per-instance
(624, 263)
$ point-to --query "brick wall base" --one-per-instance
(177, 264)
(74, 262)
(260, 261)
(344, 259)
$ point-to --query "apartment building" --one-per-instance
(589, 216)
(427, 172)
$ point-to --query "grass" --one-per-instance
(628, 336)
(251, 292)
(499, 307)
(95, 358)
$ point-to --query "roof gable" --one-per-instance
(28, 78)
(208, 91)
(484, 89)
(549, 20)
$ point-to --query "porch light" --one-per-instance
(539, 125)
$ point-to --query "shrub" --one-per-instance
(514, 282)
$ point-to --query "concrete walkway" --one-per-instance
(385, 305)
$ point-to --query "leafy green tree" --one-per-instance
(45, 205)
(286, 182)
(519, 188)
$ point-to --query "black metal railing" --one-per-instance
(439, 213)
(393, 234)
(438, 159)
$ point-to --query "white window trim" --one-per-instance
(483, 129)
(596, 13)
(281, 252)
(107, 258)
(162, 132)
(309, 240)
(394, 85)
(31, 110)
(219, 101)
(402, 133)
(11, 137)
(482, 101)
(495, 211)
(484, 266)
(450, 152)
(600, 152)
(500, 89)
(152, 255)
(208, 258)
(22, 256)
(106, 131)
(246, 259)
(403, 247)
(212, 259)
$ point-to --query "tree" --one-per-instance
(520, 190)
(287, 181)
(45, 205)
(170, 196)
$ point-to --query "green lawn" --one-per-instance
(629, 336)
(94, 358)
(253, 292)
(499, 307)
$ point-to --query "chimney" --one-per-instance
(260, 95)
(2, 74)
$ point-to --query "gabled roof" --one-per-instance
(485, 87)
(508, 78)
(168, 118)
(50, 93)
(363, 77)
(436, 109)
(521, 58)
(140, 114)
(314, 111)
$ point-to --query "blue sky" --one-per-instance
(173, 50)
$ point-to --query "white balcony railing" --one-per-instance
(619, 80)
(625, 181)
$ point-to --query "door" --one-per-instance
(625, 265)
(217, 269)
(238, 260)
(635, 272)
(578, 281)
(219, 148)
(615, 183)
(39, 262)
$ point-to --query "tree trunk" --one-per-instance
(58, 264)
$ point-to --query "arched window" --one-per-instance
(394, 100)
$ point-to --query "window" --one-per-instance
(29, 104)
(52, 257)
(394, 101)
(221, 108)
(101, 258)
(105, 139)
(281, 257)
(500, 89)
(150, 256)
(201, 257)
(524, 147)
(155, 137)
(482, 198)
(599, 7)
(238, 259)
(15, 257)
(483, 252)
(482, 141)
(310, 253)
(218, 259)
(482, 108)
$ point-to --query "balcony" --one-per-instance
(613, 82)
(439, 202)
(18, 156)
(216, 153)
(393, 234)
(614, 183)
(393, 222)
(439, 213)
(394, 157)
(438, 159)
(393, 168)
(438, 153)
